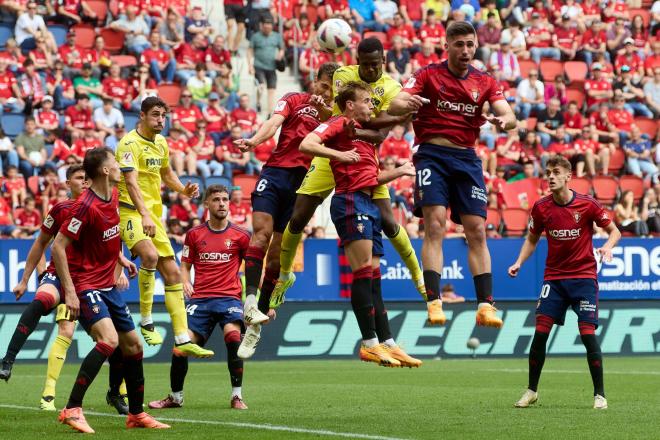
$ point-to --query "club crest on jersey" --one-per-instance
(379, 91)
(228, 243)
(338, 84)
(577, 216)
(475, 94)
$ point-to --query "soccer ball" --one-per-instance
(473, 343)
(334, 35)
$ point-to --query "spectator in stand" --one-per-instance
(630, 58)
(7, 226)
(599, 90)
(160, 61)
(171, 31)
(29, 27)
(549, 120)
(530, 95)
(365, 16)
(87, 142)
(565, 39)
(45, 118)
(591, 14)
(261, 153)
(60, 88)
(47, 187)
(140, 87)
(42, 56)
(652, 93)
(107, 118)
(413, 12)
(311, 58)
(13, 55)
(556, 90)
(175, 231)
(403, 30)
(135, 29)
(216, 116)
(508, 154)
(78, 118)
(116, 88)
(266, 48)
(31, 149)
(202, 146)
(71, 55)
(620, 118)
(28, 219)
(399, 194)
(652, 61)
(32, 86)
(639, 159)
(650, 211)
(398, 62)
(10, 93)
(425, 57)
(562, 147)
(240, 210)
(13, 187)
(396, 146)
(386, 10)
(602, 127)
(616, 37)
(188, 55)
(99, 57)
(244, 116)
(8, 155)
(200, 86)
(232, 157)
(60, 151)
(186, 115)
(434, 30)
(640, 34)
(89, 85)
(441, 8)
(539, 40)
(298, 37)
(490, 7)
(573, 120)
(627, 215)
(71, 12)
(632, 92)
(594, 41)
(182, 162)
(235, 13)
(181, 208)
(112, 140)
(506, 60)
(197, 24)
(155, 12)
(532, 151)
(488, 36)
(496, 189)
(596, 155)
(216, 56)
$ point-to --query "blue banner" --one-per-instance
(634, 272)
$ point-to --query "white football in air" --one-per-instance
(334, 35)
(473, 343)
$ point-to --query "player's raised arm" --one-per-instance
(313, 145)
(504, 117)
(36, 252)
(58, 250)
(528, 248)
(406, 169)
(265, 132)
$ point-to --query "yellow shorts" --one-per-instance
(319, 181)
(130, 227)
(62, 313)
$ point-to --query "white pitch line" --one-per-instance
(265, 427)
(624, 373)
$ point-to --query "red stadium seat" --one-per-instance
(515, 221)
(100, 7)
(33, 185)
(520, 194)
(382, 36)
(576, 71)
(576, 95)
(85, 36)
(634, 184)
(124, 60)
(114, 40)
(647, 126)
(493, 217)
(606, 189)
(170, 93)
(526, 66)
(581, 185)
(247, 183)
(551, 68)
(617, 161)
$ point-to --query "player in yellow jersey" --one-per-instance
(143, 156)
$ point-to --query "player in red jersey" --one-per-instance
(570, 278)
(275, 193)
(86, 252)
(449, 99)
(216, 250)
(357, 218)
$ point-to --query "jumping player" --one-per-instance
(570, 278)
(143, 155)
(448, 99)
(357, 218)
(216, 250)
(275, 193)
(49, 294)
(319, 181)
(86, 251)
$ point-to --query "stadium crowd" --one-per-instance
(583, 78)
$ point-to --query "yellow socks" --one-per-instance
(289, 247)
(146, 283)
(56, 358)
(177, 310)
(401, 243)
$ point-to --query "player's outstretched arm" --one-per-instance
(36, 252)
(405, 103)
(406, 169)
(265, 132)
(386, 120)
(58, 250)
(605, 251)
(528, 248)
(312, 145)
(505, 118)
(171, 180)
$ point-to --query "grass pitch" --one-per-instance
(349, 399)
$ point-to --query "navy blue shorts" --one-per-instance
(275, 193)
(205, 313)
(356, 217)
(53, 280)
(581, 294)
(98, 304)
(450, 177)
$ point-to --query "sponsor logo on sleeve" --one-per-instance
(186, 251)
(74, 225)
(127, 158)
(49, 221)
(321, 128)
(410, 84)
(280, 106)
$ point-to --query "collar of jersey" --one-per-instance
(208, 226)
(566, 204)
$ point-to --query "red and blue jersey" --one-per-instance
(300, 118)
(569, 229)
(216, 257)
(454, 112)
(53, 221)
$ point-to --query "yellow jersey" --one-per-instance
(136, 153)
(383, 91)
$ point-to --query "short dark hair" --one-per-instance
(327, 69)
(213, 189)
(369, 45)
(151, 102)
(559, 161)
(73, 169)
(94, 158)
(29, 118)
(349, 93)
(459, 29)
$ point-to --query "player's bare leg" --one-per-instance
(303, 211)
(480, 267)
(435, 219)
(401, 242)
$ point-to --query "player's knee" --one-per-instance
(389, 225)
(131, 347)
(437, 227)
(172, 276)
(110, 339)
(260, 239)
(475, 234)
(149, 258)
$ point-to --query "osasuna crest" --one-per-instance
(577, 216)
(228, 243)
(96, 309)
(360, 228)
(475, 94)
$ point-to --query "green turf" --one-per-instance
(443, 399)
